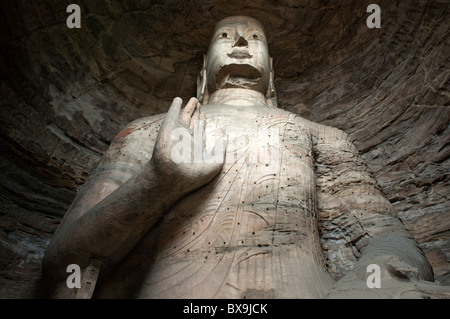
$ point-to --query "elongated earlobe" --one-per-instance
(271, 95)
(202, 91)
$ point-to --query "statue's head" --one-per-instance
(238, 57)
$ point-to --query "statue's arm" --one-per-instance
(358, 224)
(105, 220)
(134, 184)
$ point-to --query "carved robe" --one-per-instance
(285, 217)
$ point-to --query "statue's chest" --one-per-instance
(273, 157)
(266, 184)
(236, 230)
(268, 177)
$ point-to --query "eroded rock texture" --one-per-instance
(65, 93)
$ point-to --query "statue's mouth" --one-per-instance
(238, 75)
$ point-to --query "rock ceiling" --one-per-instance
(65, 93)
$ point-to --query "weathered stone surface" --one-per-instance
(66, 93)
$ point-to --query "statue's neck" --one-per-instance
(237, 96)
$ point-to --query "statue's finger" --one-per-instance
(202, 116)
(174, 109)
(189, 110)
(195, 116)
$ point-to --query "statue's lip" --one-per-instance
(240, 55)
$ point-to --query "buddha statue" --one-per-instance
(232, 197)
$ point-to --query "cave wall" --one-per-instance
(65, 93)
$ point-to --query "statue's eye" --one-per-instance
(255, 36)
(224, 35)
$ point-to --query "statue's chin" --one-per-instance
(238, 76)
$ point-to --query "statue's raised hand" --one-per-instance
(178, 153)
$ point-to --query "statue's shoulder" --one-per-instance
(148, 124)
(139, 134)
(147, 127)
(321, 133)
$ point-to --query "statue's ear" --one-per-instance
(271, 95)
(202, 88)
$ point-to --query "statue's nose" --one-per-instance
(241, 42)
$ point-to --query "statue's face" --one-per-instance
(238, 56)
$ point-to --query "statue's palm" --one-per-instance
(189, 174)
